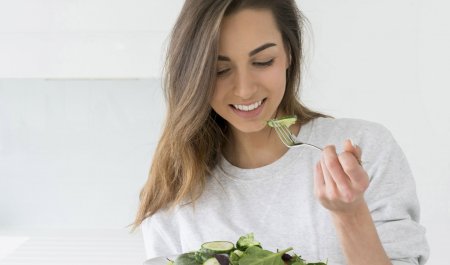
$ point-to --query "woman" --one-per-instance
(220, 172)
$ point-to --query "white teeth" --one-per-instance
(248, 107)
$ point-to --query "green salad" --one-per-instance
(247, 251)
(286, 121)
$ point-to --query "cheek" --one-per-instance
(222, 87)
(218, 95)
(274, 80)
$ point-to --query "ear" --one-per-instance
(289, 59)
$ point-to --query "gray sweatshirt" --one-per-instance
(276, 202)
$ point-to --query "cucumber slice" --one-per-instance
(186, 259)
(218, 247)
(211, 261)
(286, 121)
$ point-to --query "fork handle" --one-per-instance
(321, 149)
(361, 162)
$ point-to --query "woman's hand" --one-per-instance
(339, 183)
(339, 180)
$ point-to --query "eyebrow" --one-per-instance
(250, 54)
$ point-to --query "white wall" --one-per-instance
(73, 153)
(89, 39)
(387, 61)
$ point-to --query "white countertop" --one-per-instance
(71, 246)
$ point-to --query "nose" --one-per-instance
(244, 84)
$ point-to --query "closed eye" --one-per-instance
(258, 64)
(267, 63)
(222, 72)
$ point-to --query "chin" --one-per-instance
(251, 128)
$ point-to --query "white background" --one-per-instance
(81, 108)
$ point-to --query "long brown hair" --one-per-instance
(193, 135)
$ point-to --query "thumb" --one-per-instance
(354, 149)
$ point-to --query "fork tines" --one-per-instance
(284, 134)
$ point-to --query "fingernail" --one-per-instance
(354, 145)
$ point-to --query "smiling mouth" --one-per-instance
(249, 107)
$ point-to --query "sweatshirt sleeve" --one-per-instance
(392, 199)
(157, 243)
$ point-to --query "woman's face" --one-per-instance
(251, 70)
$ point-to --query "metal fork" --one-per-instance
(288, 138)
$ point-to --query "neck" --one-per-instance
(256, 149)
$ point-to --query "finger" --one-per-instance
(354, 149)
(336, 171)
(348, 145)
(356, 173)
(350, 166)
(319, 182)
(358, 153)
(330, 186)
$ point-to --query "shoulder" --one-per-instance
(160, 235)
(348, 124)
(152, 226)
(362, 132)
(159, 221)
